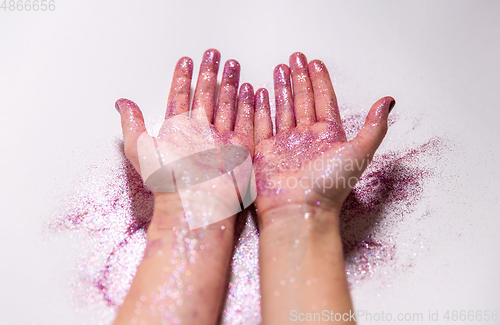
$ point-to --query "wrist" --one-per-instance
(288, 229)
(165, 202)
(167, 214)
(169, 217)
(302, 262)
(317, 219)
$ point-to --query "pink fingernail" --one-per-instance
(246, 92)
(298, 61)
(232, 64)
(392, 104)
(231, 70)
(185, 63)
(211, 59)
(317, 65)
(282, 74)
(261, 97)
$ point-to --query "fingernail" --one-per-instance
(317, 65)
(392, 104)
(261, 96)
(246, 92)
(298, 61)
(233, 64)
(246, 87)
(212, 58)
(185, 64)
(231, 70)
(282, 74)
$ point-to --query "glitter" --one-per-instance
(387, 192)
(242, 305)
(112, 209)
(222, 227)
(318, 203)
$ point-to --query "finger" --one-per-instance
(226, 107)
(204, 94)
(178, 98)
(132, 127)
(325, 99)
(285, 117)
(375, 128)
(244, 118)
(263, 128)
(303, 97)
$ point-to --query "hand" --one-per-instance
(183, 274)
(210, 126)
(309, 162)
(304, 173)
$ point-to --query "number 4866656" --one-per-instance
(28, 5)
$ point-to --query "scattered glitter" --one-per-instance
(112, 209)
(243, 300)
(388, 191)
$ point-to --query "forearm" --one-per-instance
(183, 273)
(302, 265)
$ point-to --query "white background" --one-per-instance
(61, 72)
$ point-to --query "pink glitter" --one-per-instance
(112, 209)
(388, 191)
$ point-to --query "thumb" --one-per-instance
(132, 127)
(373, 132)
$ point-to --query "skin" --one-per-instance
(301, 257)
(197, 259)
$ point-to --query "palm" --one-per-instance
(309, 161)
(183, 136)
(293, 167)
(195, 135)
